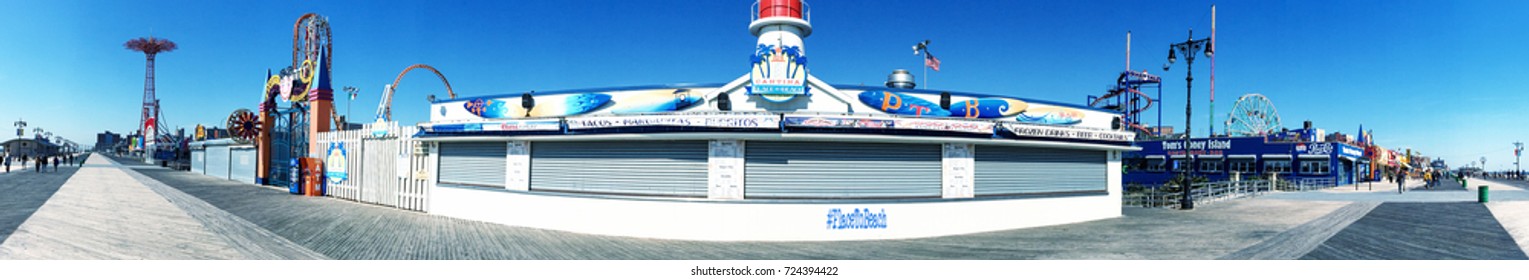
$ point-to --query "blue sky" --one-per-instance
(1442, 77)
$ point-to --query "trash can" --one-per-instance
(1481, 194)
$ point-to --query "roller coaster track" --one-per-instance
(305, 48)
(1127, 84)
(386, 108)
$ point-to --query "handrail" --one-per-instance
(805, 11)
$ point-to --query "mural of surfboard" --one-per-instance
(546, 106)
(655, 101)
(1052, 116)
(985, 108)
(901, 104)
(564, 105)
(487, 108)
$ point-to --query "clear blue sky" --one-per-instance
(1442, 77)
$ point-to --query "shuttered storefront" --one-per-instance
(199, 161)
(472, 163)
(839, 170)
(654, 168)
(217, 161)
(242, 164)
(1004, 170)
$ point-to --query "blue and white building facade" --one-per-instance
(1221, 159)
(775, 154)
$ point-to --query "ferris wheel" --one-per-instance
(1253, 115)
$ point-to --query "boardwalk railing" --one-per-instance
(1212, 192)
(385, 166)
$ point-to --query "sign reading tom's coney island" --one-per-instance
(1067, 133)
(717, 121)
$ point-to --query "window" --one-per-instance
(1178, 165)
(1156, 165)
(1242, 166)
(1210, 166)
(1277, 166)
(1315, 167)
(1134, 164)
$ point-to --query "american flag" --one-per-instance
(930, 61)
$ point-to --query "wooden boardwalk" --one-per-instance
(1422, 231)
(135, 211)
(348, 230)
(22, 191)
(104, 211)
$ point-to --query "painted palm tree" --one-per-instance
(761, 53)
(150, 47)
(797, 60)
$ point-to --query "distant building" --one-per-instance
(106, 140)
(29, 147)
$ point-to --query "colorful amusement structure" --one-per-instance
(149, 127)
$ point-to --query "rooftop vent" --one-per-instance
(900, 79)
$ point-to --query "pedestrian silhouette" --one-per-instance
(55, 164)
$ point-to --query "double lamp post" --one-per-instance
(1189, 48)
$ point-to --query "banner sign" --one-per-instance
(1351, 151)
(1068, 133)
(979, 127)
(525, 125)
(717, 121)
(335, 163)
(830, 122)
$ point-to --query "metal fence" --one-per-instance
(1212, 192)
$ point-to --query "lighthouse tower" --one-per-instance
(779, 63)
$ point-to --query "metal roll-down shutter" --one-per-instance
(652, 168)
(839, 170)
(217, 161)
(473, 163)
(1005, 170)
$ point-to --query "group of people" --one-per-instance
(1430, 179)
(41, 161)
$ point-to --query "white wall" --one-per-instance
(743, 221)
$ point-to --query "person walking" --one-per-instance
(38, 164)
(7, 163)
(1428, 180)
(55, 163)
(1401, 181)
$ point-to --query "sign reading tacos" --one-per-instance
(718, 121)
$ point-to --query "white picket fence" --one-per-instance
(389, 169)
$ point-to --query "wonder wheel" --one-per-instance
(1253, 115)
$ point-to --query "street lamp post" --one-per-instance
(352, 97)
(1518, 148)
(1189, 48)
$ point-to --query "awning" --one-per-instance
(1276, 156)
(1241, 156)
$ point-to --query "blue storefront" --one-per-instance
(1223, 159)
